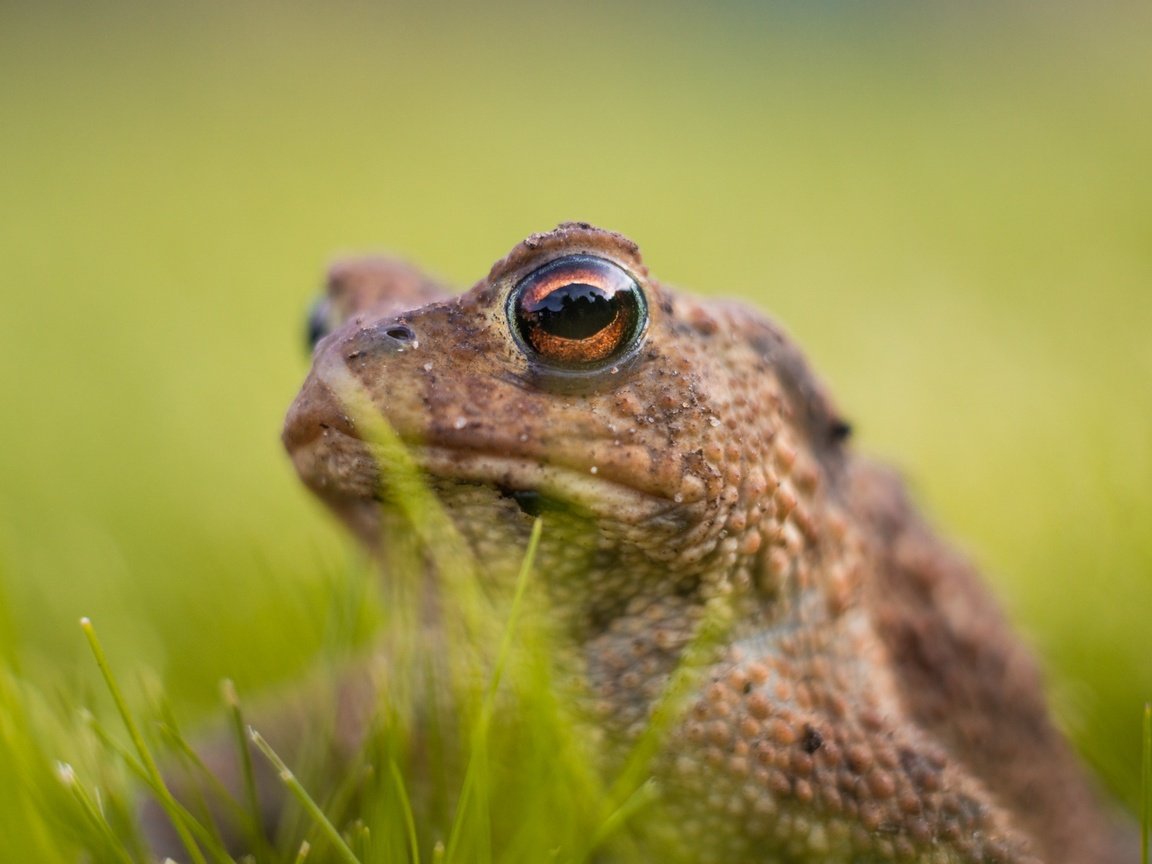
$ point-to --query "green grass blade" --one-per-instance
(92, 810)
(343, 851)
(1146, 785)
(406, 810)
(633, 804)
(157, 780)
(694, 660)
(476, 775)
(236, 715)
(207, 835)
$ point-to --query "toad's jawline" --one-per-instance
(367, 467)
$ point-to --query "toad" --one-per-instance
(862, 698)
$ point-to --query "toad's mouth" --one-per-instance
(344, 469)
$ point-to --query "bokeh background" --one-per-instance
(951, 208)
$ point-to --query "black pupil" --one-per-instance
(575, 311)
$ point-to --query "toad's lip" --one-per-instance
(342, 468)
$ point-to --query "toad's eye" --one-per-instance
(578, 312)
(319, 322)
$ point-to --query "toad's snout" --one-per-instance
(319, 409)
(315, 413)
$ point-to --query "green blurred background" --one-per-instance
(952, 210)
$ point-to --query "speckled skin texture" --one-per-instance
(865, 700)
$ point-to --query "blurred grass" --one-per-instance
(951, 209)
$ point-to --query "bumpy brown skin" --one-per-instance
(867, 703)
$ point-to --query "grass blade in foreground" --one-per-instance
(1146, 785)
(483, 722)
(169, 804)
(236, 716)
(313, 809)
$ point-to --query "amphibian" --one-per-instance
(868, 702)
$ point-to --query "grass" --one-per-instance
(383, 827)
(527, 796)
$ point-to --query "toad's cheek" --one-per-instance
(348, 450)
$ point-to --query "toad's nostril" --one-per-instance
(401, 333)
(391, 337)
